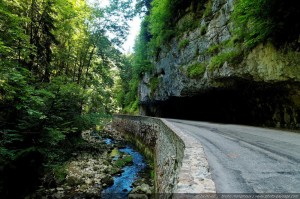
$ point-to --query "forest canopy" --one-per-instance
(57, 69)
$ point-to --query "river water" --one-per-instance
(123, 184)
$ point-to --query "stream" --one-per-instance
(123, 183)
(107, 168)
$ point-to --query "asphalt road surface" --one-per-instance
(247, 159)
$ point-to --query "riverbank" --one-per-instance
(95, 169)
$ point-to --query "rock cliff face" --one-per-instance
(261, 88)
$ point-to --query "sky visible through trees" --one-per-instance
(134, 29)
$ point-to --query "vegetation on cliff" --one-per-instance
(252, 22)
(255, 22)
(258, 21)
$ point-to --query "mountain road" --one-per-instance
(246, 159)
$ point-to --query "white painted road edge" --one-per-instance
(194, 175)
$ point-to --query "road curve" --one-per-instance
(247, 159)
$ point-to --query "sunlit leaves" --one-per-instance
(56, 70)
(113, 20)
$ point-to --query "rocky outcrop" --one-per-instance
(261, 88)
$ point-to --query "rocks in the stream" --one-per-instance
(143, 188)
(73, 181)
(87, 176)
(90, 171)
(107, 181)
(141, 191)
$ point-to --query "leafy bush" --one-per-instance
(252, 21)
(60, 173)
(213, 49)
(226, 44)
(132, 107)
(257, 21)
(163, 18)
(196, 70)
(218, 60)
(187, 23)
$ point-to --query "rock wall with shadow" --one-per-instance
(213, 78)
(259, 104)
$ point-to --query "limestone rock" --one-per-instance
(264, 69)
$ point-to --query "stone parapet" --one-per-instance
(180, 162)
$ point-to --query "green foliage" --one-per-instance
(203, 30)
(60, 173)
(213, 49)
(7, 139)
(158, 27)
(228, 56)
(56, 76)
(187, 23)
(128, 86)
(132, 107)
(133, 70)
(226, 51)
(54, 136)
(257, 21)
(153, 84)
(252, 20)
(128, 159)
(152, 174)
(162, 21)
(196, 70)
(208, 8)
(140, 61)
(121, 162)
(183, 43)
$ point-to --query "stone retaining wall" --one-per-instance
(180, 163)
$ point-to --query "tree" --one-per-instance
(56, 79)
